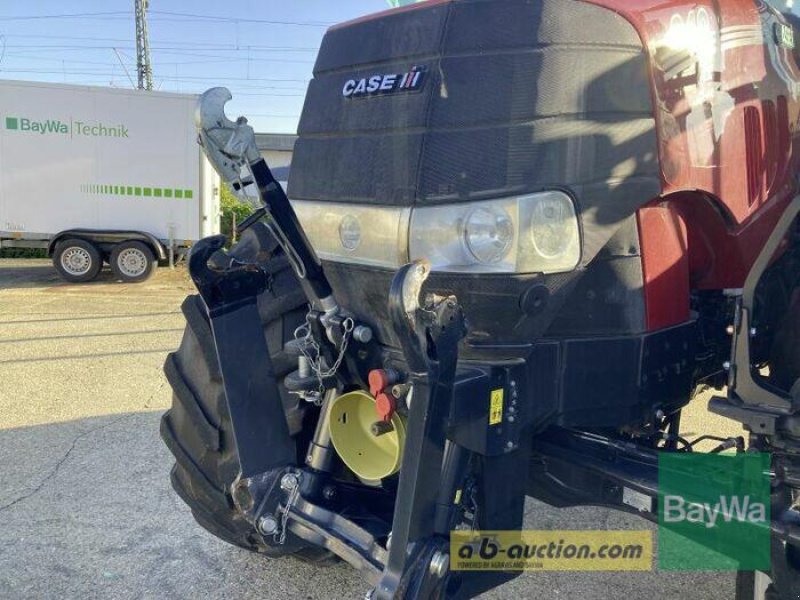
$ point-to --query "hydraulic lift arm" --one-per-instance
(231, 148)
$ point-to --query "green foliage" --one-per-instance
(230, 207)
(23, 253)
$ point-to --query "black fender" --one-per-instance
(109, 236)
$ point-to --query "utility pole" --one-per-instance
(144, 70)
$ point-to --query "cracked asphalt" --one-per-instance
(86, 510)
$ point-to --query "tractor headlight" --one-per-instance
(536, 233)
(489, 234)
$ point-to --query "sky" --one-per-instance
(262, 50)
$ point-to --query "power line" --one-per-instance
(125, 68)
(166, 16)
(69, 60)
(188, 79)
(132, 63)
(194, 16)
(164, 50)
(89, 15)
(177, 43)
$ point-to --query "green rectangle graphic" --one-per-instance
(12, 123)
(130, 190)
(714, 512)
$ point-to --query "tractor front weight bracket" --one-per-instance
(230, 296)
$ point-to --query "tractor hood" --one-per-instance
(473, 99)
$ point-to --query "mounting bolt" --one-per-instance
(729, 330)
(328, 492)
(753, 332)
(267, 525)
(659, 414)
(362, 334)
(440, 564)
(399, 390)
(726, 365)
(303, 367)
(511, 418)
(289, 482)
(509, 445)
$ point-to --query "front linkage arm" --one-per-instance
(231, 147)
(429, 334)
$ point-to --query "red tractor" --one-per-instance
(522, 234)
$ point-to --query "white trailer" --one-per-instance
(94, 174)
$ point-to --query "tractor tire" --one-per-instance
(785, 352)
(197, 429)
(751, 585)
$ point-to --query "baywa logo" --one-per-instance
(729, 508)
(714, 512)
(72, 128)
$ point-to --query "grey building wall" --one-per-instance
(276, 148)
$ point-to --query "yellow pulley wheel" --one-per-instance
(371, 457)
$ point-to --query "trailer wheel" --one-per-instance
(197, 428)
(133, 261)
(77, 260)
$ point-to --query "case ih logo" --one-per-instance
(385, 84)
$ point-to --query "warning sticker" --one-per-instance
(496, 407)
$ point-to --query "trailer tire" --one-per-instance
(133, 261)
(197, 429)
(77, 260)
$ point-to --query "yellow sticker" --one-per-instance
(458, 497)
(496, 407)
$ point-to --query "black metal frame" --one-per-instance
(445, 453)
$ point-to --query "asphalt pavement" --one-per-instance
(86, 510)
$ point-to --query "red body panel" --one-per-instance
(726, 96)
(726, 124)
(663, 242)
